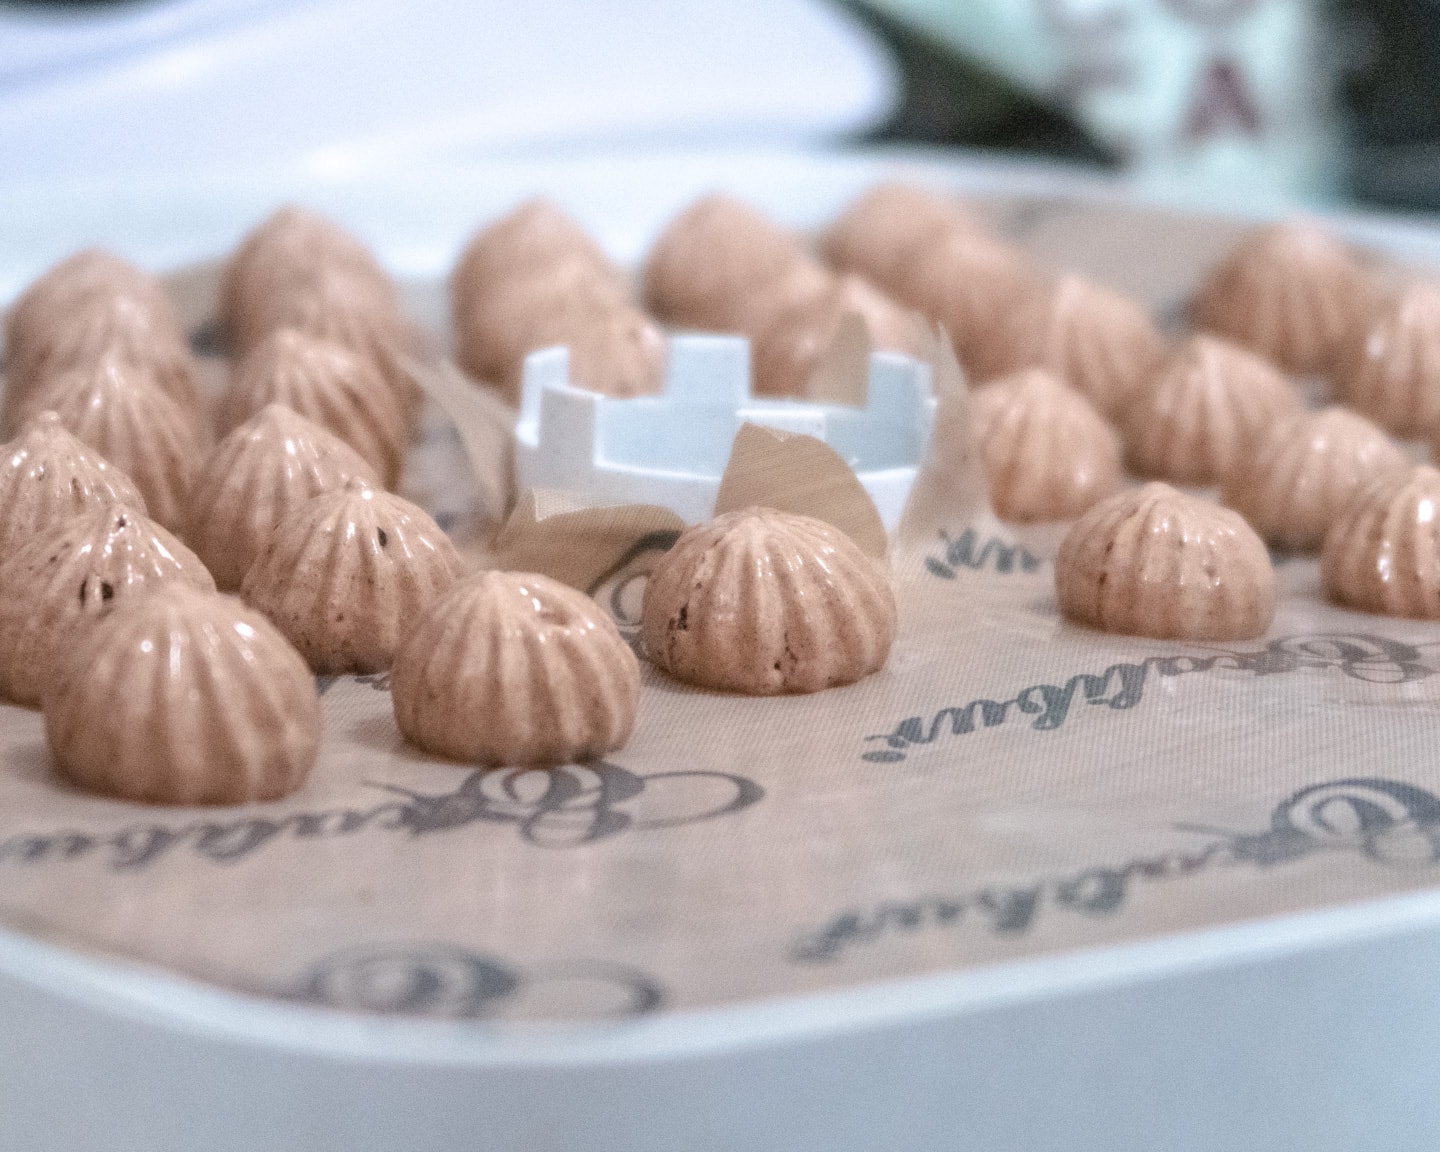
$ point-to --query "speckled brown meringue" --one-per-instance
(1288, 291)
(1382, 553)
(72, 286)
(178, 696)
(118, 325)
(283, 255)
(1048, 453)
(765, 602)
(1294, 485)
(72, 573)
(713, 261)
(1389, 368)
(47, 476)
(264, 470)
(1153, 561)
(1203, 411)
(516, 668)
(971, 285)
(328, 383)
(882, 230)
(1099, 342)
(348, 575)
(790, 346)
(116, 408)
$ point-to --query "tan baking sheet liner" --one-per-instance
(1008, 786)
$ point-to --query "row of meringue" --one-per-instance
(534, 279)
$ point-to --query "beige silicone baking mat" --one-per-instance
(1008, 786)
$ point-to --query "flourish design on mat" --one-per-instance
(1121, 687)
(443, 981)
(967, 551)
(1387, 822)
(561, 807)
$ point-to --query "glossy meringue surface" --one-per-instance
(1049, 454)
(1204, 411)
(516, 668)
(1382, 554)
(48, 476)
(1390, 367)
(1099, 342)
(328, 383)
(348, 574)
(178, 696)
(262, 471)
(1304, 472)
(116, 408)
(764, 602)
(1288, 291)
(74, 572)
(1153, 561)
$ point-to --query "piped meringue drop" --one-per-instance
(47, 476)
(765, 602)
(71, 574)
(1303, 474)
(882, 230)
(116, 408)
(328, 383)
(1153, 561)
(1203, 411)
(790, 347)
(264, 470)
(1099, 342)
(178, 696)
(1389, 369)
(1288, 291)
(516, 668)
(615, 349)
(348, 575)
(1048, 453)
(1382, 554)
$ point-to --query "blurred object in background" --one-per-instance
(1222, 100)
(240, 89)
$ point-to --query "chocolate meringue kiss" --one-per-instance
(1382, 554)
(516, 668)
(883, 230)
(1153, 561)
(1390, 367)
(765, 602)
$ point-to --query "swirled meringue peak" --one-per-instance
(765, 602)
(516, 668)
(1153, 561)
(1382, 554)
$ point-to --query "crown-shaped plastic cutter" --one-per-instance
(671, 449)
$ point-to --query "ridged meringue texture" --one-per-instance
(71, 288)
(516, 668)
(1099, 342)
(282, 256)
(1382, 554)
(47, 476)
(264, 470)
(765, 602)
(789, 349)
(1390, 367)
(1302, 475)
(72, 573)
(1288, 291)
(328, 383)
(117, 325)
(117, 409)
(970, 284)
(713, 257)
(882, 230)
(1048, 453)
(1153, 561)
(178, 696)
(348, 575)
(1203, 411)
